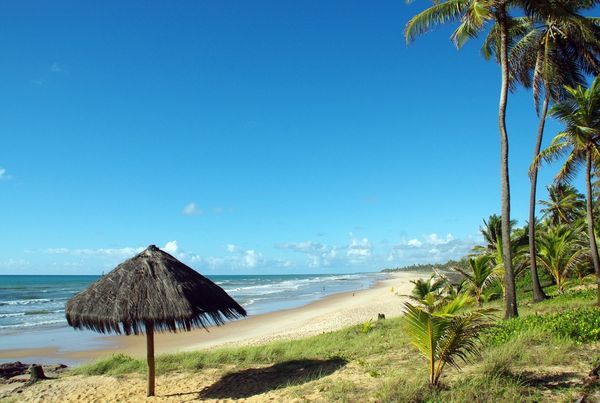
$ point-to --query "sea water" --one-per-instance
(32, 308)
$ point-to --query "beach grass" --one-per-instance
(524, 359)
(350, 344)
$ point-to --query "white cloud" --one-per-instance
(124, 252)
(414, 242)
(359, 251)
(14, 264)
(191, 209)
(433, 239)
(251, 258)
(359, 248)
(306, 246)
(430, 249)
(171, 247)
(57, 68)
(317, 254)
(57, 251)
(239, 260)
(3, 174)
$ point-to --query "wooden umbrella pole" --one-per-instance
(150, 356)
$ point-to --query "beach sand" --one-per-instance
(331, 313)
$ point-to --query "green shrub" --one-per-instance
(581, 325)
(584, 295)
(367, 326)
(117, 364)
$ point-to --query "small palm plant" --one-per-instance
(494, 248)
(428, 292)
(561, 250)
(564, 205)
(443, 335)
(480, 276)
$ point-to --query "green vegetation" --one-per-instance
(429, 267)
(548, 46)
(350, 344)
(442, 334)
(580, 142)
(479, 277)
(562, 251)
(580, 325)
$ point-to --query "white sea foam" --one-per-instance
(11, 315)
(26, 301)
(32, 324)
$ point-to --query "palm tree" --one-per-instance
(445, 336)
(479, 276)
(428, 293)
(564, 205)
(561, 252)
(423, 287)
(580, 142)
(491, 232)
(494, 247)
(552, 49)
(472, 16)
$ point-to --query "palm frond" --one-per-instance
(423, 329)
(441, 13)
(477, 13)
(461, 340)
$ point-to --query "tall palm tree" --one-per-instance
(561, 252)
(580, 142)
(553, 48)
(472, 17)
(564, 205)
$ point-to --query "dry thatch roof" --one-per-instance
(151, 288)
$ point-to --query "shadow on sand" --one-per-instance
(254, 381)
(551, 381)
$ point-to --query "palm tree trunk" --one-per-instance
(510, 300)
(538, 292)
(590, 219)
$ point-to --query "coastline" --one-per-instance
(328, 314)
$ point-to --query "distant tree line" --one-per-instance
(450, 265)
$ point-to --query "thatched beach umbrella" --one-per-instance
(151, 291)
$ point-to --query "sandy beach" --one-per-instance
(331, 313)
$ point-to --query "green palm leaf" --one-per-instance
(440, 13)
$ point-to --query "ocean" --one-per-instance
(32, 308)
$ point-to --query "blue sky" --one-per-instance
(246, 137)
